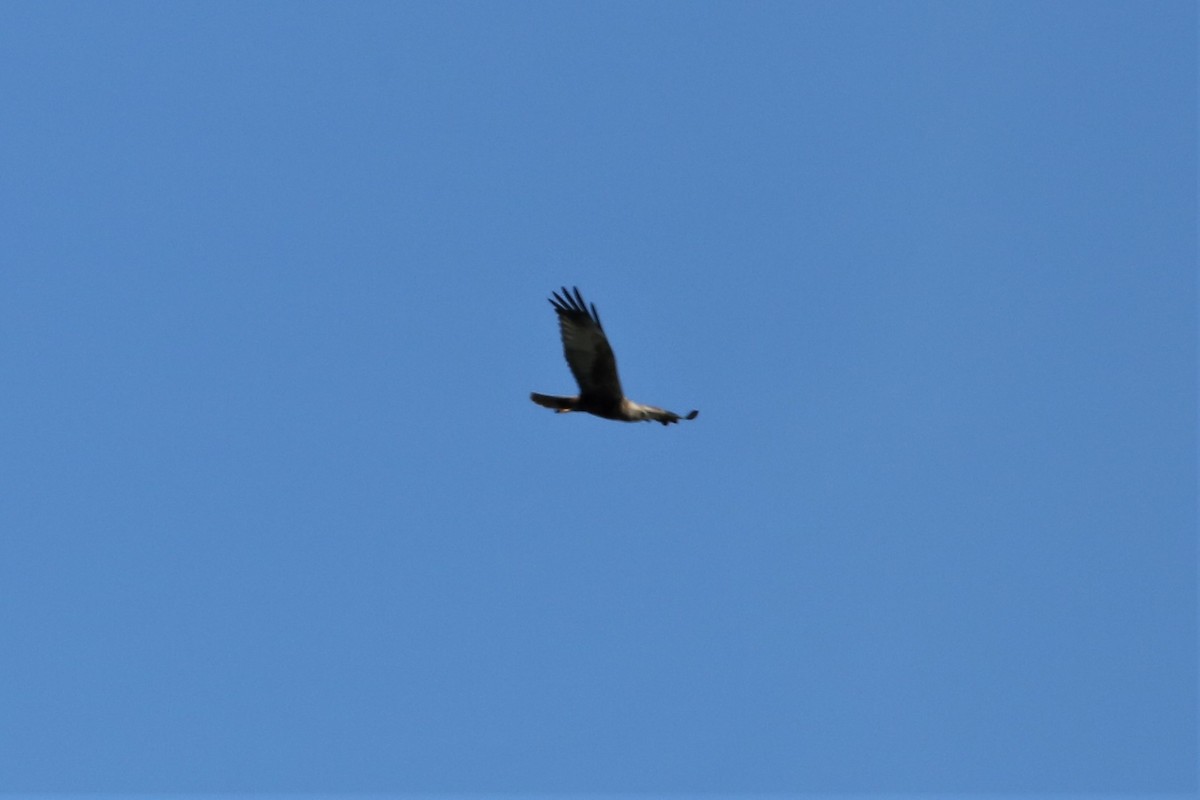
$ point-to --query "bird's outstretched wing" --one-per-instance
(586, 348)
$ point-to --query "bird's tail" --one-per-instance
(560, 404)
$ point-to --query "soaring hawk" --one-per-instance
(594, 366)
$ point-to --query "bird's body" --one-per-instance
(594, 366)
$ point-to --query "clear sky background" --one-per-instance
(278, 515)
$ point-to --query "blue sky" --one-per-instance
(279, 516)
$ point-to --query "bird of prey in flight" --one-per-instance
(594, 366)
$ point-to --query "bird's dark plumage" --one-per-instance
(594, 366)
